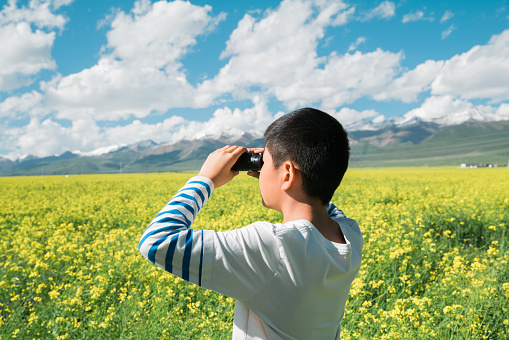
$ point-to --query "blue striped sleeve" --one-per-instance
(333, 211)
(168, 241)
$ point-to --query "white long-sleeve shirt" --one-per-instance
(288, 280)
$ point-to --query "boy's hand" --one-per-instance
(218, 165)
(254, 173)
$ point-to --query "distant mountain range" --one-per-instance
(468, 137)
(144, 156)
(468, 114)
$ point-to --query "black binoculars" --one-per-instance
(249, 161)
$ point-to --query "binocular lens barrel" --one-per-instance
(249, 161)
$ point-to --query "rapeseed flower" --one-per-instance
(435, 262)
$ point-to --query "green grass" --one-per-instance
(467, 143)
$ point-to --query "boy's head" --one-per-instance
(316, 143)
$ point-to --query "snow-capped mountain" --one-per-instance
(368, 125)
(468, 114)
(412, 118)
(100, 151)
(392, 140)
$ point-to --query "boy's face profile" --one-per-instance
(268, 182)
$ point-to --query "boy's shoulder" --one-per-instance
(339, 216)
(278, 229)
(263, 234)
(257, 234)
(349, 224)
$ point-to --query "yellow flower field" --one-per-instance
(435, 262)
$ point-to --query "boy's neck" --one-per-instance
(290, 199)
(317, 214)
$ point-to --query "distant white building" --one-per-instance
(477, 165)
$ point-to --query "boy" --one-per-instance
(290, 280)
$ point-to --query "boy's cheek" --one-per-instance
(261, 184)
(266, 192)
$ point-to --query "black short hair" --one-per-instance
(318, 145)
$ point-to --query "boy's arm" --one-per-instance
(333, 211)
(168, 242)
(241, 267)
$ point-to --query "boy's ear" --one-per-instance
(289, 175)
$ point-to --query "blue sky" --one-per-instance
(81, 75)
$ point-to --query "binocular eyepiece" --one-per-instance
(249, 161)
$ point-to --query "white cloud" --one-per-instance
(140, 71)
(344, 16)
(176, 128)
(503, 111)
(27, 54)
(37, 13)
(353, 46)
(385, 10)
(47, 137)
(138, 131)
(275, 50)
(266, 51)
(157, 35)
(29, 48)
(487, 108)
(270, 56)
(437, 107)
(347, 116)
(410, 84)
(342, 80)
(277, 53)
(480, 73)
(29, 103)
(226, 120)
(56, 4)
(447, 15)
(448, 31)
(111, 90)
(415, 16)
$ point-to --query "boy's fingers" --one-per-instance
(255, 150)
(240, 150)
(235, 149)
(253, 173)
